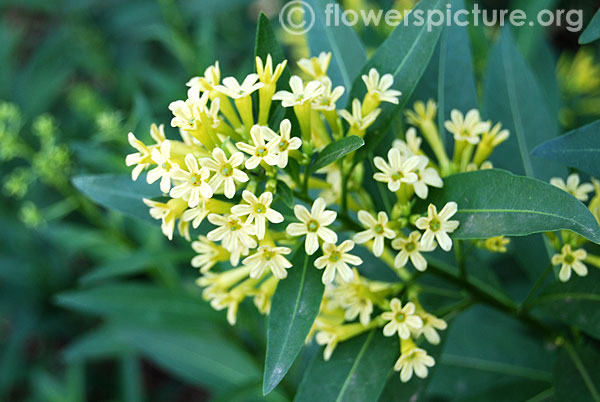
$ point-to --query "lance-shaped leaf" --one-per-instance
(496, 202)
(592, 32)
(294, 307)
(576, 302)
(357, 370)
(337, 150)
(513, 97)
(119, 193)
(449, 78)
(347, 51)
(577, 374)
(579, 149)
(267, 44)
(405, 54)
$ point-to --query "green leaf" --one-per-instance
(486, 348)
(337, 150)
(137, 301)
(592, 32)
(512, 97)
(294, 307)
(577, 374)
(495, 202)
(285, 192)
(405, 54)
(449, 78)
(357, 370)
(119, 193)
(347, 50)
(576, 302)
(131, 264)
(579, 149)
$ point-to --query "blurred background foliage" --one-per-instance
(97, 306)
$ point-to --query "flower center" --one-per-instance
(166, 166)
(400, 317)
(312, 226)
(411, 247)
(569, 259)
(260, 208)
(233, 226)
(195, 180)
(268, 255)
(435, 225)
(283, 145)
(226, 170)
(378, 229)
(261, 152)
(335, 256)
(397, 176)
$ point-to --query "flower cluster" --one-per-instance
(238, 167)
(569, 246)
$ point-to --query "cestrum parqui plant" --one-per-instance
(248, 180)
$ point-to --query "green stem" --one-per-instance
(535, 288)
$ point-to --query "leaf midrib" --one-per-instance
(294, 314)
(354, 367)
(413, 45)
(520, 211)
(515, 110)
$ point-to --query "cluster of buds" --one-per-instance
(236, 161)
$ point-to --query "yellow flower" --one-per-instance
(497, 244)
(466, 128)
(377, 229)
(573, 186)
(196, 215)
(327, 100)
(268, 258)
(570, 260)
(430, 326)
(426, 176)
(265, 71)
(232, 88)
(260, 151)
(225, 171)
(412, 144)
(258, 211)
(335, 259)
(300, 93)
(211, 78)
(187, 113)
(379, 87)
(208, 254)
(165, 166)
(438, 226)
(411, 248)
(194, 186)
(285, 143)
(316, 67)
(401, 319)
(167, 212)
(399, 170)
(314, 225)
(422, 113)
(359, 123)
(413, 360)
(235, 235)
(142, 158)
